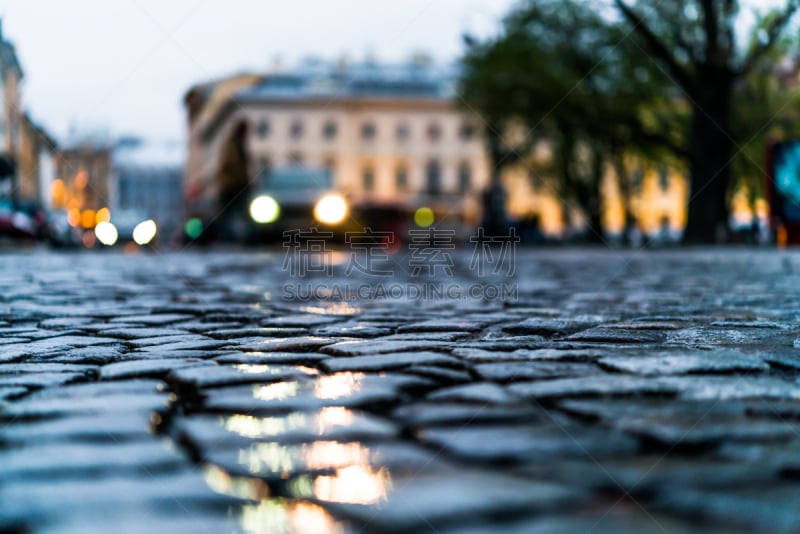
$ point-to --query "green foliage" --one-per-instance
(631, 77)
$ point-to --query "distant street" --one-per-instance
(554, 390)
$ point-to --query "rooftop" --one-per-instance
(417, 78)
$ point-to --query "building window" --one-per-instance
(368, 131)
(403, 132)
(263, 170)
(433, 178)
(329, 130)
(434, 131)
(464, 178)
(295, 158)
(401, 178)
(296, 129)
(262, 130)
(466, 132)
(368, 180)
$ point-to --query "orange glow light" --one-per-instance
(102, 215)
(74, 217)
(88, 218)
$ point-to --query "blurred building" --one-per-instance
(388, 134)
(147, 182)
(36, 164)
(83, 170)
(26, 149)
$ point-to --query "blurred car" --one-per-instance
(20, 223)
(296, 197)
(59, 232)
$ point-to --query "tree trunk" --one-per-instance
(711, 151)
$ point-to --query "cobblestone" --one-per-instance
(616, 392)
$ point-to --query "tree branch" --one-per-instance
(774, 30)
(656, 46)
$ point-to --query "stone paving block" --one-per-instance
(263, 332)
(387, 361)
(54, 460)
(325, 424)
(304, 320)
(426, 336)
(354, 330)
(153, 318)
(719, 336)
(54, 501)
(47, 367)
(610, 385)
(195, 345)
(267, 358)
(8, 392)
(225, 375)
(551, 326)
(449, 324)
(40, 380)
(666, 363)
(479, 392)
(441, 413)
(84, 428)
(761, 508)
(138, 333)
(529, 443)
(354, 390)
(527, 370)
(427, 501)
(144, 342)
(86, 356)
(365, 348)
(602, 334)
(297, 344)
(780, 455)
(148, 368)
(724, 388)
(274, 462)
(443, 375)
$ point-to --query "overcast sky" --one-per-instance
(124, 65)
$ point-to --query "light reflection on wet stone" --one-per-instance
(400, 416)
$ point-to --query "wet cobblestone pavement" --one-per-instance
(619, 392)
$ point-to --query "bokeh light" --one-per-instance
(88, 219)
(102, 215)
(193, 228)
(264, 209)
(423, 217)
(145, 232)
(331, 209)
(106, 233)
